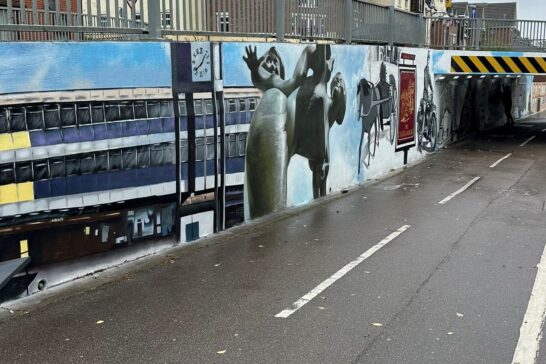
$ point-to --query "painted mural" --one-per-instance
(86, 131)
(334, 116)
(106, 145)
(328, 117)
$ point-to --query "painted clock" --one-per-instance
(200, 62)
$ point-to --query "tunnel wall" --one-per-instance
(491, 71)
(538, 97)
(88, 130)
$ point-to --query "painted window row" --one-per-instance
(204, 106)
(240, 105)
(236, 145)
(88, 163)
(54, 116)
(117, 159)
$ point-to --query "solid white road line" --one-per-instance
(527, 141)
(500, 160)
(339, 274)
(460, 190)
(533, 321)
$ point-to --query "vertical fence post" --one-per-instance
(154, 19)
(349, 21)
(391, 26)
(422, 37)
(280, 6)
(477, 34)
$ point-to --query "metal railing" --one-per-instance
(346, 21)
(312, 19)
(371, 22)
(486, 34)
(71, 19)
(335, 20)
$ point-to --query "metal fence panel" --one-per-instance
(50, 20)
(407, 28)
(370, 22)
(221, 17)
(315, 19)
(337, 20)
(486, 34)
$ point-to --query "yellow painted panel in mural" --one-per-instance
(8, 193)
(25, 191)
(21, 140)
(23, 245)
(6, 143)
(20, 192)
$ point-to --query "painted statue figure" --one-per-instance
(427, 124)
(294, 116)
(376, 103)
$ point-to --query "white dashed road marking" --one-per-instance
(500, 160)
(340, 273)
(530, 332)
(460, 190)
(527, 141)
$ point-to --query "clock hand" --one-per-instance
(200, 64)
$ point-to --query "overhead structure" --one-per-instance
(498, 64)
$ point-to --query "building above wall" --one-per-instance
(399, 4)
(491, 10)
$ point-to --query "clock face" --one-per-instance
(200, 63)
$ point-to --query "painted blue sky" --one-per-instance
(31, 67)
(236, 71)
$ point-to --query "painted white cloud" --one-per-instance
(442, 62)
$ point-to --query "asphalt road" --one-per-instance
(453, 288)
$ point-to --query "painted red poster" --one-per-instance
(406, 118)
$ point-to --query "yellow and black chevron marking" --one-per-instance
(500, 64)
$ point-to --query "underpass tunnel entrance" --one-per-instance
(480, 90)
(474, 103)
(497, 108)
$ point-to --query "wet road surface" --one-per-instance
(452, 288)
